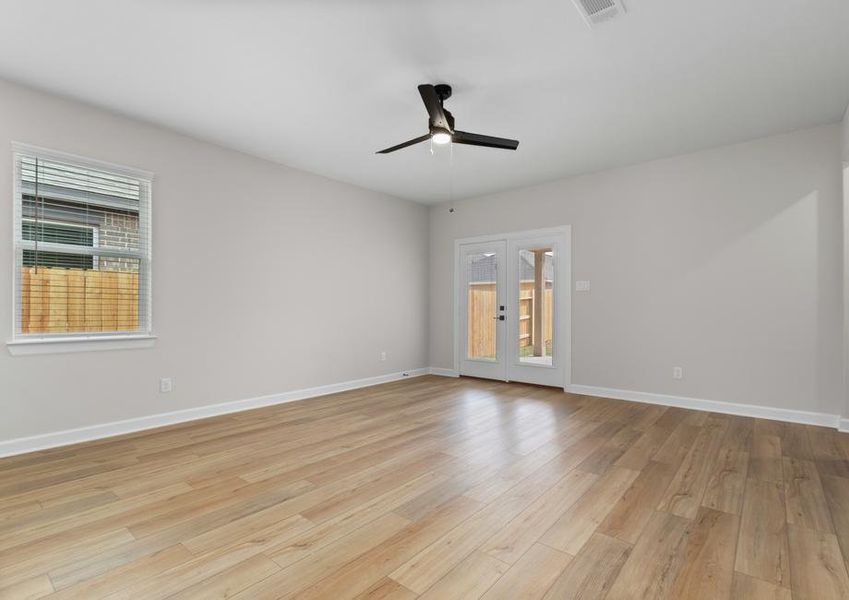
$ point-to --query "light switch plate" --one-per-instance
(582, 286)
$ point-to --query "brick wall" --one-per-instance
(118, 230)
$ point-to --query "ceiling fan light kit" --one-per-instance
(441, 124)
(440, 136)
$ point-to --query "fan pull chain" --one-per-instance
(451, 177)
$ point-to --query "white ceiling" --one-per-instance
(322, 84)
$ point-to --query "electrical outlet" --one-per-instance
(383, 356)
(166, 385)
(582, 286)
(677, 373)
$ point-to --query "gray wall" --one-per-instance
(726, 262)
(845, 425)
(266, 279)
(846, 137)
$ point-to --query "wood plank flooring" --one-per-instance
(435, 488)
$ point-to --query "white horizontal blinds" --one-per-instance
(83, 252)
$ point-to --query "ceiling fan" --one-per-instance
(441, 124)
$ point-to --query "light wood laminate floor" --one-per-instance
(435, 488)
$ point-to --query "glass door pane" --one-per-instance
(482, 311)
(482, 306)
(536, 306)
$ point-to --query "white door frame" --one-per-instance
(563, 299)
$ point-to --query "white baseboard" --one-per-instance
(728, 408)
(106, 430)
(443, 372)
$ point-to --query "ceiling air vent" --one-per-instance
(599, 11)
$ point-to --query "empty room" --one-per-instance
(446, 300)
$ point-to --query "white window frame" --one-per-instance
(86, 341)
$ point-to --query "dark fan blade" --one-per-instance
(405, 144)
(434, 107)
(475, 139)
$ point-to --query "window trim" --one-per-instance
(20, 343)
(79, 343)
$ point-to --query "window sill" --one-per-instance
(24, 347)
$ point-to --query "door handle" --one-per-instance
(499, 318)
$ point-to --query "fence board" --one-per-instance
(482, 307)
(75, 300)
(25, 299)
(38, 301)
(93, 295)
(125, 301)
(109, 300)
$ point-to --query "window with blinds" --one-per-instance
(82, 247)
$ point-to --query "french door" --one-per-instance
(513, 307)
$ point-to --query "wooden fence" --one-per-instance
(76, 300)
(482, 307)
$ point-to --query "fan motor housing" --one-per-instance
(443, 90)
(441, 124)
